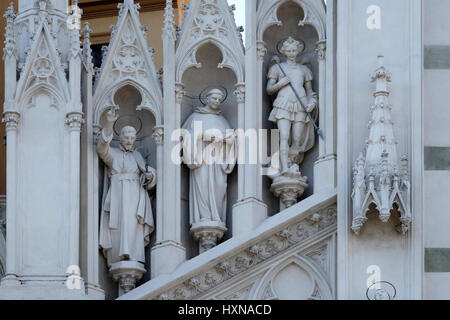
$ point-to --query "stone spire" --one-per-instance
(381, 141)
(377, 177)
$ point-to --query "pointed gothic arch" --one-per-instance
(314, 15)
(318, 288)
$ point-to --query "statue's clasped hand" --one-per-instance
(310, 107)
(284, 82)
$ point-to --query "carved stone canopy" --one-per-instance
(378, 178)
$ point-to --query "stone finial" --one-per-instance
(376, 178)
(169, 22)
(87, 51)
(10, 42)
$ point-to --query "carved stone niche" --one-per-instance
(277, 23)
(197, 82)
(131, 113)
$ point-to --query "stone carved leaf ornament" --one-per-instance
(209, 21)
(128, 59)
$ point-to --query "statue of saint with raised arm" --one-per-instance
(209, 152)
(126, 218)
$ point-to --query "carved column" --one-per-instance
(321, 47)
(250, 210)
(239, 93)
(325, 166)
(169, 253)
(11, 119)
(158, 136)
(74, 121)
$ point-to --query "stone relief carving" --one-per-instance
(210, 154)
(253, 255)
(210, 20)
(378, 178)
(295, 110)
(127, 217)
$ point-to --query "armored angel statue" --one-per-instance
(294, 112)
(209, 152)
(126, 218)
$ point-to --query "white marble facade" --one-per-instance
(123, 182)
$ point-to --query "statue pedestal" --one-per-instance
(289, 186)
(208, 233)
(126, 273)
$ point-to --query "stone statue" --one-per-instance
(294, 110)
(126, 218)
(209, 152)
(292, 120)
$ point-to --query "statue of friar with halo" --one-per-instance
(209, 151)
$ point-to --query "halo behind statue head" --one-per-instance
(283, 43)
(124, 121)
(203, 97)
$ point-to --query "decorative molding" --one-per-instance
(11, 119)
(253, 255)
(158, 135)
(261, 48)
(179, 93)
(321, 49)
(74, 121)
(239, 93)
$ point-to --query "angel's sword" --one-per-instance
(316, 127)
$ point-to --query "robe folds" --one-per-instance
(208, 179)
(126, 218)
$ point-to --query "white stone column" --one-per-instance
(169, 253)
(239, 93)
(11, 118)
(250, 210)
(12, 122)
(325, 166)
(321, 52)
(74, 121)
(158, 136)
